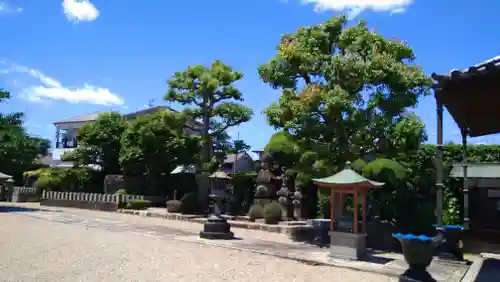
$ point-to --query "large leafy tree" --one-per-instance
(100, 144)
(210, 95)
(18, 150)
(155, 144)
(346, 91)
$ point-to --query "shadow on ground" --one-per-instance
(6, 209)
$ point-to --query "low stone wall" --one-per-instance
(24, 194)
(92, 201)
(283, 228)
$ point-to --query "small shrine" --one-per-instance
(346, 242)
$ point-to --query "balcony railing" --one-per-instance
(66, 144)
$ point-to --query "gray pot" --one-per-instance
(418, 254)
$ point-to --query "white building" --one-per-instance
(66, 132)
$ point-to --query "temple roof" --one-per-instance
(220, 175)
(472, 96)
(477, 170)
(346, 177)
(4, 176)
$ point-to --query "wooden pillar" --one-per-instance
(341, 203)
(439, 162)
(363, 207)
(332, 209)
(356, 219)
(466, 180)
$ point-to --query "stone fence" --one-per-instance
(92, 201)
(24, 194)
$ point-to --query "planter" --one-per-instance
(418, 251)
(321, 227)
(452, 246)
(379, 236)
(272, 221)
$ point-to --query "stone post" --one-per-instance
(283, 200)
(10, 188)
(297, 204)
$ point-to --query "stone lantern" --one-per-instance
(216, 227)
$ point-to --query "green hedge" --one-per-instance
(138, 204)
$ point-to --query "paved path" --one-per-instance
(90, 246)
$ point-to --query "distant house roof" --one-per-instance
(82, 118)
(184, 169)
(231, 158)
(477, 170)
(132, 115)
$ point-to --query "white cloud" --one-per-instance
(49, 88)
(8, 9)
(80, 10)
(355, 7)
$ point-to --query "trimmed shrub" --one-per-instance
(48, 182)
(173, 206)
(272, 213)
(121, 192)
(256, 211)
(138, 204)
(189, 204)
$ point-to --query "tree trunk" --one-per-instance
(207, 144)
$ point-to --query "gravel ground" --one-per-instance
(40, 250)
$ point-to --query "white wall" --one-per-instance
(57, 153)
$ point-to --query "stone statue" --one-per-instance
(268, 179)
(284, 195)
(297, 203)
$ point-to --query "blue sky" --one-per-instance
(62, 59)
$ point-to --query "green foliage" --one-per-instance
(256, 211)
(77, 179)
(243, 190)
(211, 96)
(100, 144)
(358, 165)
(345, 91)
(282, 146)
(49, 182)
(155, 144)
(173, 206)
(451, 211)
(138, 205)
(121, 192)
(385, 170)
(18, 150)
(272, 213)
(189, 204)
(451, 207)
(323, 204)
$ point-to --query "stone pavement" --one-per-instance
(77, 249)
(389, 264)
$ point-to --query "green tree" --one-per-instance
(100, 144)
(18, 150)
(155, 144)
(211, 96)
(345, 90)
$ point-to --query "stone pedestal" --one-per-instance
(349, 246)
(216, 228)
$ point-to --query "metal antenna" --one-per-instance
(151, 103)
